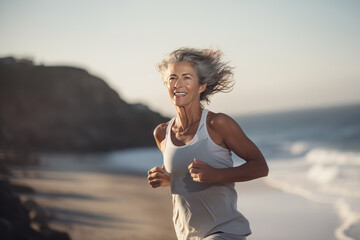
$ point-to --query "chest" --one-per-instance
(183, 138)
(178, 158)
(179, 138)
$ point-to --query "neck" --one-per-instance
(187, 116)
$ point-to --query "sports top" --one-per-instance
(200, 209)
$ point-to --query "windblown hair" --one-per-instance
(208, 66)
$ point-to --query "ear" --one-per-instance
(202, 87)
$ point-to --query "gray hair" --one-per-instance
(208, 66)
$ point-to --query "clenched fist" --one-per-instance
(157, 177)
(203, 172)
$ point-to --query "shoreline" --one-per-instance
(275, 214)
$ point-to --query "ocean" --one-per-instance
(311, 153)
(314, 154)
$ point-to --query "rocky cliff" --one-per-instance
(60, 108)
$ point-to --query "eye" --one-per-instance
(186, 78)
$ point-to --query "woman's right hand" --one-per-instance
(157, 177)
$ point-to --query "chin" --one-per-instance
(182, 102)
(179, 104)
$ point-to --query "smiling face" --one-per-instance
(183, 84)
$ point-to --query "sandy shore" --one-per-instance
(97, 205)
(275, 215)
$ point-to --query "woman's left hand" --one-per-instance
(202, 172)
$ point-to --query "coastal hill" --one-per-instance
(62, 108)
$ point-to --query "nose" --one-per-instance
(178, 82)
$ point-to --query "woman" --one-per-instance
(196, 146)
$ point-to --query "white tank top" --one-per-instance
(200, 209)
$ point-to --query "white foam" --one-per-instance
(298, 148)
(324, 176)
(294, 148)
(325, 156)
(348, 217)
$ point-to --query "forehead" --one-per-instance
(180, 68)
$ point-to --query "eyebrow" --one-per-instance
(173, 74)
(186, 74)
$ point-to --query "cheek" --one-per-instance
(169, 88)
(192, 86)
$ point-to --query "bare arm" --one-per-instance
(227, 133)
(157, 176)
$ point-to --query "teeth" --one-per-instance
(180, 94)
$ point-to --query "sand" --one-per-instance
(275, 215)
(92, 205)
(101, 206)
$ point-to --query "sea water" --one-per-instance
(311, 153)
(314, 154)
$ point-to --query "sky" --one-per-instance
(286, 55)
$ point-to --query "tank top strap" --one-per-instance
(202, 131)
(167, 135)
(169, 126)
(203, 116)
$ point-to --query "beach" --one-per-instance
(100, 206)
(94, 203)
(274, 214)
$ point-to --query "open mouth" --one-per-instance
(180, 94)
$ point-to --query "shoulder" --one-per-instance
(220, 127)
(220, 121)
(160, 131)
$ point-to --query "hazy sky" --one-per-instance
(287, 54)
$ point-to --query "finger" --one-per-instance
(151, 170)
(199, 162)
(190, 166)
(153, 181)
(193, 165)
(163, 168)
(195, 178)
(155, 184)
(151, 177)
(194, 170)
(155, 175)
(156, 169)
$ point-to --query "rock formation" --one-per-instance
(61, 108)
